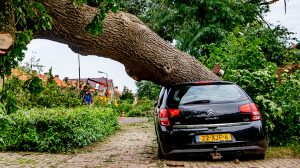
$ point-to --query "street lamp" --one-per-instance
(106, 81)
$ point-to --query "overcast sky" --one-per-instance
(290, 19)
(65, 62)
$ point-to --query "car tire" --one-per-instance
(160, 155)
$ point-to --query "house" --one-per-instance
(24, 76)
(100, 85)
(58, 82)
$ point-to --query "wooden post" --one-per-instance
(6, 40)
(7, 25)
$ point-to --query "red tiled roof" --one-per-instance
(23, 76)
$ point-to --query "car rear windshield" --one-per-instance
(201, 94)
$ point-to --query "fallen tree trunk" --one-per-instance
(127, 40)
(7, 25)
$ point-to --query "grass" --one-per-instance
(282, 152)
(24, 161)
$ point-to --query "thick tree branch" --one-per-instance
(127, 40)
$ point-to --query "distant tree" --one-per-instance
(192, 23)
(147, 89)
(127, 95)
(34, 64)
(50, 79)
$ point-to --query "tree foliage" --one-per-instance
(195, 22)
(253, 64)
(11, 59)
(148, 90)
(30, 17)
(34, 92)
(104, 7)
(127, 95)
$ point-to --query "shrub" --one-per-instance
(250, 58)
(4, 120)
(57, 130)
(141, 109)
(36, 93)
(286, 124)
(125, 106)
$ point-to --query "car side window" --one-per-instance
(160, 98)
(165, 96)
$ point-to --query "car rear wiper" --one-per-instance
(197, 102)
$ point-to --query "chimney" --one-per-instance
(66, 79)
(56, 76)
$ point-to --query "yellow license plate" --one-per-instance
(213, 138)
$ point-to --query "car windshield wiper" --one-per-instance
(197, 102)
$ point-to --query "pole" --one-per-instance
(78, 71)
(107, 86)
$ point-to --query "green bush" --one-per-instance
(251, 58)
(57, 130)
(4, 120)
(141, 109)
(285, 119)
(34, 93)
(125, 106)
(56, 96)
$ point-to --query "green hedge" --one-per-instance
(57, 130)
(143, 108)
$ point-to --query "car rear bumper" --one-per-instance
(229, 150)
(247, 139)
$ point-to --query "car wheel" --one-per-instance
(160, 155)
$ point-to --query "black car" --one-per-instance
(208, 118)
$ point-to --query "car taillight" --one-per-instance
(165, 114)
(174, 112)
(164, 117)
(251, 108)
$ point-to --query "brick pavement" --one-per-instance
(132, 146)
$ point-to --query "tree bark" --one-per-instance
(7, 24)
(127, 40)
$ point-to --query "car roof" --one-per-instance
(202, 83)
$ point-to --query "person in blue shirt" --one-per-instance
(87, 98)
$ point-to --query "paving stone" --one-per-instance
(133, 146)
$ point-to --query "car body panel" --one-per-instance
(247, 136)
